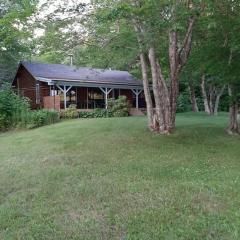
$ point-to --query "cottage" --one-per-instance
(56, 86)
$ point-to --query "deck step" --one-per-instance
(136, 112)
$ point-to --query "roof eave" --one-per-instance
(84, 83)
(97, 84)
(15, 75)
(46, 80)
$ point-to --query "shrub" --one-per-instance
(13, 108)
(41, 118)
(116, 108)
(96, 113)
(184, 103)
(71, 112)
(85, 114)
(15, 112)
(119, 107)
(3, 122)
(101, 113)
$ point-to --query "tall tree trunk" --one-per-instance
(211, 99)
(161, 125)
(164, 116)
(174, 75)
(193, 97)
(178, 58)
(164, 97)
(204, 94)
(219, 95)
(233, 113)
(147, 92)
(149, 104)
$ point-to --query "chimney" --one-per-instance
(71, 59)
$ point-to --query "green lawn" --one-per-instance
(112, 179)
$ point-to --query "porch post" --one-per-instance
(65, 97)
(54, 101)
(137, 100)
(106, 91)
(137, 93)
(113, 94)
(87, 97)
(106, 98)
(65, 90)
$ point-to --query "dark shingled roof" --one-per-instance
(83, 74)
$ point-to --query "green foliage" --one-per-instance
(224, 103)
(86, 114)
(12, 108)
(15, 112)
(14, 35)
(41, 118)
(216, 50)
(116, 108)
(54, 45)
(96, 113)
(183, 103)
(70, 113)
(119, 107)
(102, 113)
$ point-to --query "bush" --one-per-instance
(71, 112)
(119, 107)
(41, 118)
(15, 112)
(101, 113)
(96, 113)
(116, 108)
(184, 103)
(13, 109)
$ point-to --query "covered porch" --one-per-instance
(87, 96)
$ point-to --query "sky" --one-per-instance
(55, 3)
(52, 7)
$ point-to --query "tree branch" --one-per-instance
(187, 43)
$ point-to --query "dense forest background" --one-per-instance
(188, 50)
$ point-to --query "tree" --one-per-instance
(62, 28)
(13, 34)
(224, 59)
(163, 31)
(211, 93)
(153, 39)
(190, 85)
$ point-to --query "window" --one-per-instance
(95, 94)
(38, 100)
(54, 93)
(72, 96)
(95, 98)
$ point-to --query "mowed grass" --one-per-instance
(113, 179)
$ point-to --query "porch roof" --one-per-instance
(58, 74)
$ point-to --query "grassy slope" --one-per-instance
(112, 179)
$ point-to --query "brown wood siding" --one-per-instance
(25, 84)
(44, 92)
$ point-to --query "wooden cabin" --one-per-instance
(56, 86)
